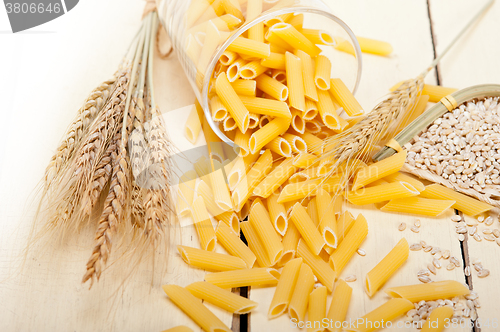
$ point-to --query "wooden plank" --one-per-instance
(472, 61)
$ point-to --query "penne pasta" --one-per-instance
(318, 37)
(314, 144)
(267, 133)
(438, 319)
(255, 245)
(327, 111)
(295, 82)
(327, 221)
(230, 124)
(180, 328)
(280, 76)
(298, 124)
(398, 176)
(345, 98)
(232, 7)
(185, 197)
(250, 47)
(234, 245)
(341, 298)
(254, 9)
(304, 160)
(317, 309)
(220, 190)
(321, 269)
(251, 70)
(245, 87)
(308, 75)
(294, 38)
(241, 143)
(322, 73)
(210, 261)
(296, 21)
(228, 57)
(379, 169)
(280, 146)
(290, 242)
(258, 277)
(264, 119)
(366, 45)
(203, 190)
(344, 224)
(283, 293)
(212, 39)
(193, 126)
(276, 41)
(378, 276)
(233, 71)
(464, 203)
(275, 179)
(446, 289)
(277, 213)
(221, 298)
(313, 127)
(219, 111)
(311, 110)
(297, 143)
(260, 221)
(418, 205)
(384, 192)
(312, 211)
(232, 102)
(300, 297)
(196, 9)
(203, 225)
(264, 106)
(194, 308)
(435, 92)
(351, 242)
(379, 317)
(272, 88)
(254, 120)
(306, 228)
(275, 61)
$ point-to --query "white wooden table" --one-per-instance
(48, 71)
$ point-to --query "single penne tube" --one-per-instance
(321, 269)
(280, 76)
(267, 133)
(435, 92)
(351, 242)
(384, 192)
(296, 142)
(295, 82)
(306, 228)
(318, 37)
(345, 98)
(295, 39)
(275, 178)
(378, 276)
(312, 211)
(255, 245)
(304, 160)
(276, 49)
(219, 111)
(379, 182)
(254, 120)
(232, 102)
(230, 20)
(322, 73)
(212, 39)
(324, 134)
(296, 21)
(203, 190)
(280, 146)
(241, 143)
(274, 108)
(272, 87)
(203, 225)
(195, 10)
(341, 298)
(215, 145)
(230, 124)
(264, 119)
(344, 224)
(311, 110)
(327, 221)
(256, 32)
(234, 245)
(446, 289)
(466, 204)
(317, 309)
(180, 328)
(308, 75)
(251, 70)
(300, 298)
(193, 126)
(299, 190)
(228, 57)
(239, 169)
(254, 9)
(274, 61)
(314, 144)
(379, 170)
(258, 277)
(220, 190)
(418, 205)
(379, 317)
(210, 261)
(366, 45)
(233, 7)
(233, 71)
(298, 124)
(260, 221)
(245, 187)
(276, 41)
(278, 215)
(186, 191)
(194, 308)
(438, 319)
(327, 111)
(217, 7)
(193, 48)
(399, 176)
(221, 298)
(290, 242)
(313, 127)
(250, 47)
(231, 220)
(245, 87)
(278, 18)
(283, 293)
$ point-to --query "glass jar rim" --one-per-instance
(236, 33)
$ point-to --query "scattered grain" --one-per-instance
(424, 279)
(467, 271)
(483, 273)
(416, 247)
(361, 252)
(414, 229)
(417, 223)
(436, 263)
(351, 278)
(450, 267)
(477, 237)
(402, 227)
(456, 218)
(431, 268)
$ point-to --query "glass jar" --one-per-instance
(186, 24)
